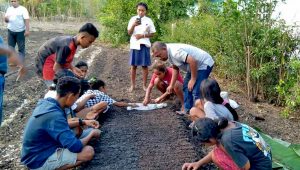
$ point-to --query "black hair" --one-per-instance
(142, 4)
(211, 90)
(96, 84)
(60, 74)
(67, 85)
(81, 64)
(206, 128)
(84, 86)
(90, 29)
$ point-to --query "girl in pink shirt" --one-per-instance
(161, 78)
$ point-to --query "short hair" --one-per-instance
(158, 46)
(90, 29)
(206, 128)
(66, 85)
(142, 4)
(96, 84)
(81, 64)
(159, 66)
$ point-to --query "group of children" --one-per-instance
(62, 124)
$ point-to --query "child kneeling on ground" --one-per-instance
(161, 78)
(48, 141)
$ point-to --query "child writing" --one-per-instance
(161, 78)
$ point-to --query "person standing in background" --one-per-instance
(17, 19)
(141, 29)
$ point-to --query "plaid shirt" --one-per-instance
(100, 97)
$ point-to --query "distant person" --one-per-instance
(212, 105)
(58, 53)
(236, 146)
(17, 19)
(7, 52)
(195, 62)
(141, 29)
(161, 78)
(48, 141)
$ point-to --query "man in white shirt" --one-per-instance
(17, 19)
(195, 62)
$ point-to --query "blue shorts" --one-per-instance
(59, 158)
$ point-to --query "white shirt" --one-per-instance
(177, 55)
(146, 27)
(16, 17)
(215, 111)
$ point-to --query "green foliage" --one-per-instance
(70, 8)
(288, 88)
(248, 46)
(114, 15)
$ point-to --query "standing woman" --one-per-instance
(141, 29)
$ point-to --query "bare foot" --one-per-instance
(131, 89)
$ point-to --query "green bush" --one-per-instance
(114, 16)
(248, 45)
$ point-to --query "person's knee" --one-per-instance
(196, 113)
(88, 153)
(178, 87)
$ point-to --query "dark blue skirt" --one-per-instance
(140, 57)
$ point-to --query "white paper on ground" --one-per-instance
(140, 106)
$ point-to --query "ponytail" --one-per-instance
(232, 111)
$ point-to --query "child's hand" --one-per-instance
(91, 96)
(92, 123)
(146, 101)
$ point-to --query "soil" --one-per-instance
(157, 139)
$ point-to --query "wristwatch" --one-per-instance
(80, 122)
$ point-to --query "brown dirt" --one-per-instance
(156, 139)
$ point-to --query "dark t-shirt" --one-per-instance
(243, 144)
(59, 49)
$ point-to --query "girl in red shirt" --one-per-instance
(161, 78)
